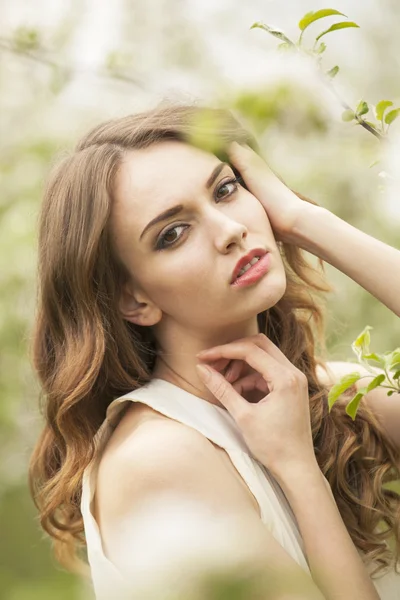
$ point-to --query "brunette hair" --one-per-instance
(86, 355)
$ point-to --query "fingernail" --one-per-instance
(204, 372)
(228, 372)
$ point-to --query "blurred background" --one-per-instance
(66, 65)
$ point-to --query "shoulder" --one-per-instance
(161, 446)
(333, 371)
(148, 444)
(164, 455)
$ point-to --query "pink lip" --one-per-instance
(245, 260)
(255, 272)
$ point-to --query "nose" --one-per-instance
(228, 232)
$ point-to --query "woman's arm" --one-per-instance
(333, 559)
(369, 262)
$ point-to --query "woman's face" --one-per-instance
(182, 266)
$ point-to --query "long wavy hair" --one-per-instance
(86, 355)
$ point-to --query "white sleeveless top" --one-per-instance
(219, 427)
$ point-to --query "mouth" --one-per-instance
(254, 273)
(247, 262)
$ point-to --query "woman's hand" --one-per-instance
(235, 370)
(283, 207)
(277, 429)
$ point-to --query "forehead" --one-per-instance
(162, 173)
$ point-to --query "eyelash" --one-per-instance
(161, 245)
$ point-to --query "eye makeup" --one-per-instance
(162, 242)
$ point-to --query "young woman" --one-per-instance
(144, 232)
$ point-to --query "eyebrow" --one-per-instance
(175, 210)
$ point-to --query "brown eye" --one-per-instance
(164, 242)
(232, 182)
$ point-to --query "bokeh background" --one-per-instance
(66, 65)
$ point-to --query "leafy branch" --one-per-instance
(26, 42)
(377, 129)
(389, 362)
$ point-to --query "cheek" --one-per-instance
(179, 283)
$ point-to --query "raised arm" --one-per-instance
(369, 262)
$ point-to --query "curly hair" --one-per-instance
(86, 355)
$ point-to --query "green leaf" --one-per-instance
(381, 107)
(377, 358)
(391, 392)
(312, 16)
(273, 31)
(362, 108)
(376, 162)
(348, 115)
(284, 47)
(336, 27)
(26, 39)
(321, 48)
(392, 115)
(396, 375)
(333, 72)
(361, 344)
(339, 388)
(375, 382)
(393, 359)
(352, 407)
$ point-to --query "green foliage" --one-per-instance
(362, 108)
(318, 49)
(336, 27)
(348, 115)
(276, 106)
(392, 115)
(117, 61)
(381, 107)
(26, 39)
(333, 72)
(273, 31)
(388, 361)
(27, 568)
(284, 47)
(312, 16)
(321, 48)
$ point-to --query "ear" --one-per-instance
(137, 308)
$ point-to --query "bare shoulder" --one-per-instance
(152, 453)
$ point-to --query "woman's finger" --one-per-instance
(260, 340)
(235, 370)
(220, 364)
(272, 370)
(223, 391)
